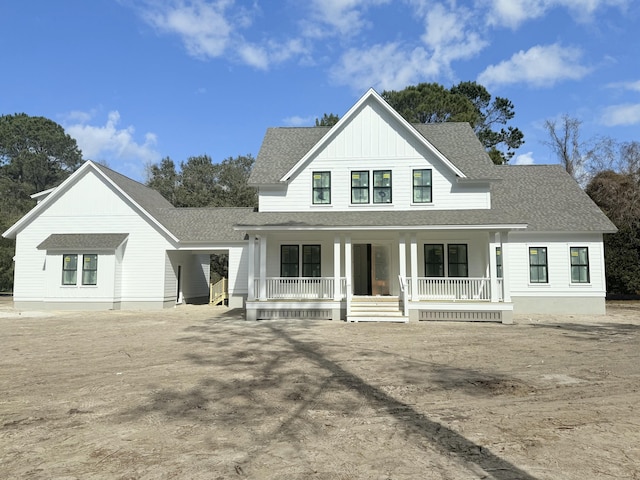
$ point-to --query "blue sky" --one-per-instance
(134, 81)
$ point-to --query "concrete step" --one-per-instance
(363, 317)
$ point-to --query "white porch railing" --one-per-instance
(295, 288)
(455, 289)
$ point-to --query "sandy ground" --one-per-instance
(196, 392)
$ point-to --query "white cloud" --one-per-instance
(624, 114)
(108, 142)
(297, 121)
(633, 86)
(524, 159)
(513, 13)
(202, 26)
(385, 67)
(540, 66)
(343, 17)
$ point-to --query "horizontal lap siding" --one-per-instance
(374, 141)
(238, 270)
(559, 268)
(90, 206)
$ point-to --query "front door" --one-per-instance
(370, 269)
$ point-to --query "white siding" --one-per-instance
(559, 266)
(91, 206)
(373, 140)
(238, 270)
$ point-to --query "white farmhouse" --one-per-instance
(372, 219)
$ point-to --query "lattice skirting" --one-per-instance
(469, 316)
(264, 314)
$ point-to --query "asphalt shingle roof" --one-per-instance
(83, 241)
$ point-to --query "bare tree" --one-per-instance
(564, 141)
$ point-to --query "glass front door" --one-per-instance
(371, 267)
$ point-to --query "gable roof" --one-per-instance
(148, 201)
(284, 151)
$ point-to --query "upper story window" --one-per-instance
(422, 186)
(362, 190)
(579, 265)
(538, 265)
(382, 186)
(360, 187)
(321, 188)
(69, 269)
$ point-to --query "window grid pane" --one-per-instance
(579, 264)
(69, 269)
(311, 261)
(382, 186)
(360, 187)
(434, 260)
(458, 264)
(321, 187)
(289, 258)
(422, 186)
(538, 265)
(90, 269)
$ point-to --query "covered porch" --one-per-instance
(378, 275)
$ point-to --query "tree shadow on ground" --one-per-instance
(264, 378)
(593, 331)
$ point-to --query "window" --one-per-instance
(434, 260)
(458, 265)
(69, 269)
(499, 262)
(321, 188)
(538, 265)
(90, 269)
(422, 186)
(382, 186)
(289, 255)
(359, 187)
(311, 260)
(579, 264)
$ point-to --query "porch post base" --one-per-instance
(336, 314)
(414, 315)
(252, 315)
(507, 317)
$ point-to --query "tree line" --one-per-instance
(36, 154)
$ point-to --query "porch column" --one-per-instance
(347, 265)
(506, 284)
(263, 267)
(251, 294)
(414, 268)
(402, 257)
(337, 291)
(494, 241)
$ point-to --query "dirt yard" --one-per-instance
(196, 392)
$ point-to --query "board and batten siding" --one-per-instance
(559, 265)
(373, 140)
(91, 206)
